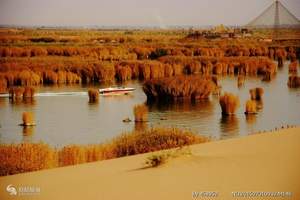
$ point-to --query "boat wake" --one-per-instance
(53, 94)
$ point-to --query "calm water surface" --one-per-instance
(69, 119)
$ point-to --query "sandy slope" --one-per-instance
(263, 162)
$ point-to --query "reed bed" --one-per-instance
(19, 158)
(229, 103)
(179, 88)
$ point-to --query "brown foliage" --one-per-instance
(140, 113)
(229, 103)
(182, 87)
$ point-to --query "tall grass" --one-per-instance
(18, 158)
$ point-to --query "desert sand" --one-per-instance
(268, 162)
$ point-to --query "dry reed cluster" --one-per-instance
(93, 95)
(140, 113)
(19, 158)
(28, 119)
(180, 87)
(229, 103)
(251, 107)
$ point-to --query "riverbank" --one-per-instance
(266, 162)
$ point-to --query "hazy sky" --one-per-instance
(135, 12)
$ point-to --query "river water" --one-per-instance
(64, 116)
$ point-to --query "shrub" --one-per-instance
(140, 113)
(155, 160)
(229, 103)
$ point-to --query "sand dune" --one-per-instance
(267, 162)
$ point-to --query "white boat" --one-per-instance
(116, 90)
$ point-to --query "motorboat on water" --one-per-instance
(116, 90)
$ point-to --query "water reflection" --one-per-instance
(21, 101)
(229, 125)
(140, 126)
(2, 102)
(181, 106)
(28, 132)
(251, 119)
